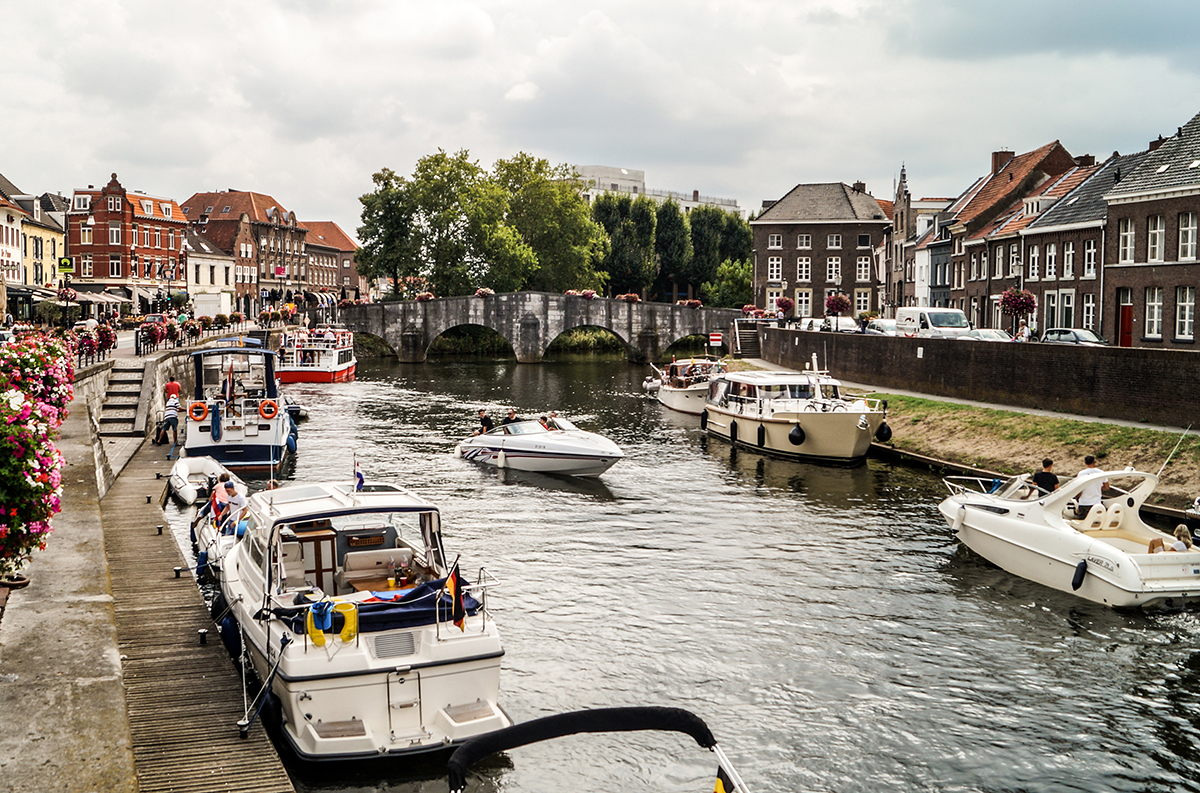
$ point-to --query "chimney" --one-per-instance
(860, 187)
(1000, 159)
(1085, 160)
(1154, 144)
(696, 196)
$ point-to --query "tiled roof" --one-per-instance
(260, 207)
(52, 202)
(833, 202)
(888, 207)
(1174, 164)
(1014, 219)
(201, 244)
(326, 232)
(155, 208)
(1086, 202)
(1051, 159)
(7, 188)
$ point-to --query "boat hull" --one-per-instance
(343, 375)
(538, 462)
(685, 400)
(843, 437)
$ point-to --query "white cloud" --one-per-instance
(522, 92)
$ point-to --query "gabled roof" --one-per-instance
(1173, 165)
(330, 234)
(13, 206)
(7, 188)
(1013, 219)
(1086, 204)
(888, 207)
(260, 207)
(200, 244)
(997, 189)
(830, 202)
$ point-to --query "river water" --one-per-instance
(821, 620)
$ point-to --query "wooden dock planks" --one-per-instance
(184, 698)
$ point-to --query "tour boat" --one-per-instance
(628, 719)
(236, 414)
(324, 354)
(1103, 557)
(682, 385)
(366, 640)
(192, 478)
(529, 446)
(801, 415)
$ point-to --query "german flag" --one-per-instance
(454, 590)
(724, 783)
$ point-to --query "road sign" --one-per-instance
(66, 265)
(714, 340)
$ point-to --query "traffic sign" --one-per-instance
(714, 340)
(66, 265)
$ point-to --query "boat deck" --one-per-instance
(184, 698)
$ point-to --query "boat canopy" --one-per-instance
(242, 371)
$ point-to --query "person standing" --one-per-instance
(171, 418)
(172, 388)
(1046, 479)
(1023, 332)
(1093, 492)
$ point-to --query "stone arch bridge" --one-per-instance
(530, 321)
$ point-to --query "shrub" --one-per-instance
(221, 321)
(424, 297)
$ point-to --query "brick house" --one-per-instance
(332, 250)
(818, 240)
(1151, 270)
(908, 256)
(127, 243)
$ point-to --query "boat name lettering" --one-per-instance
(1107, 564)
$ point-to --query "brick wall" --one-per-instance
(1156, 386)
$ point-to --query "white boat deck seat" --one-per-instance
(1116, 514)
(293, 564)
(359, 565)
(1123, 539)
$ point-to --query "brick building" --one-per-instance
(331, 257)
(818, 240)
(909, 256)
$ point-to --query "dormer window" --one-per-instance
(83, 202)
(166, 210)
(148, 208)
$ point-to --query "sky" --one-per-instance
(305, 99)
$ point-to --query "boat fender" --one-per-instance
(704, 419)
(349, 612)
(960, 517)
(201, 565)
(501, 460)
(291, 443)
(762, 435)
(884, 433)
(192, 534)
(458, 452)
(797, 436)
(215, 430)
(1080, 572)
(733, 432)
(231, 637)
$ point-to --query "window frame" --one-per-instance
(1154, 316)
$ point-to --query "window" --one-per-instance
(85, 234)
(157, 238)
(999, 261)
(114, 203)
(212, 274)
(166, 210)
(148, 208)
(775, 268)
(833, 269)
(345, 280)
(83, 202)
(774, 240)
(862, 269)
(114, 266)
(802, 241)
(225, 211)
(862, 300)
(803, 302)
(1125, 237)
(1033, 263)
(1156, 230)
(983, 270)
(145, 236)
(114, 233)
(1089, 311)
(864, 240)
(197, 279)
(772, 296)
(1014, 260)
(803, 269)
(171, 239)
(1154, 297)
(1185, 312)
(1089, 259)
(226, 275)
(1187, 235)
(1068, 260)
(1051, 301)
(958, 246)
(975, 268)
(1066, 308)
(1051, 261)
(834, 241)
(86, 265)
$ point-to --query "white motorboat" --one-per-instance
(1103, 557)
(368, 642)
(801, 415)
(683, 385)
(192, 478)
(528, 446)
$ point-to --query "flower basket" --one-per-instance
(192, 328)
(67, 294)
(629, 298)
(588, 294)
(424, 297)
(106, 338)
(1015, 302)
(237, 317)
(785, 304)
(837, 303)
(483, 291)
(264, 317)
(276, 316)
(220, 321)
(749, 309)
(206, 322)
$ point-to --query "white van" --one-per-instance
(931, 322)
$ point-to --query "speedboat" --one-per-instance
(529, 446)
(1103, 557)
(595, 721)
(802, 415)
(682, 385)
(324, 354)
(236, 415)
(367, 641)
(192, 478)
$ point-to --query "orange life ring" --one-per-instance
(198, 411)
(268, 409)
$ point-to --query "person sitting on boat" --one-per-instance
(329, 336)
(1183, 541)
(511, 417)
(551, 423)
(485, 422)
(1046, 479)
(542, 420)
(1093, 491)
(232, 510)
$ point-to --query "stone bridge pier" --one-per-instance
(530, 321)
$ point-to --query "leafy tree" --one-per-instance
(501, 260)
(388, 233)
(737, 239)
(440, 183)
(630, 225)
(732, 287)
(708, 226)
(673, 246)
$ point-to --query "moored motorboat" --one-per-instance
(1103, 557)
(324, 354)
(529, 446)
(192, 478)
(682, 385)
(368, 641)
(802, 415)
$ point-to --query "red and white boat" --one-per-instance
(321, 355)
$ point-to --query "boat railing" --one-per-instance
(769, 407)
(1015, 488)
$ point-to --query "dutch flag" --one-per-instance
(359, 481)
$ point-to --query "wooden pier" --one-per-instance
(184, 698)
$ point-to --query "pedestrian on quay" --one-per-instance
(172, 388)
(1023, 332)
(171, 418)
(1046, 479)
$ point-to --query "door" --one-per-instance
(1125, 326)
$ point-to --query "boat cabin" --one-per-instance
(237, 372)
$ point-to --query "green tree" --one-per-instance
(708, 226)
(498, 257)
(440, 185)
(388, 234)
(731, 287)
(630, 224)
(737, 239)
(673, 246)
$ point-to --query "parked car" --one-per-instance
(843, 324)
(154, 318)
(1073, 336)
(882, 327)
(931, 322)
(986, 334)
(7, 337)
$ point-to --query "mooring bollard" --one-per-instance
(178, 570)
(203, 635)
(148, 499)
(160, 528)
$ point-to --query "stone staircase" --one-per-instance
(747, 340)
(118, 413)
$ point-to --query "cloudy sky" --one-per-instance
(305, 99)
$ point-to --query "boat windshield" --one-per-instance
(561, 424)
(786, 391)
(831, 391)
(523, 428)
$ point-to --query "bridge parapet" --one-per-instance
(530, 321)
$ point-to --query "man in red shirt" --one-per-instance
(172, 388)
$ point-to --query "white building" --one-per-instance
(211, 279)
(600, 179)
